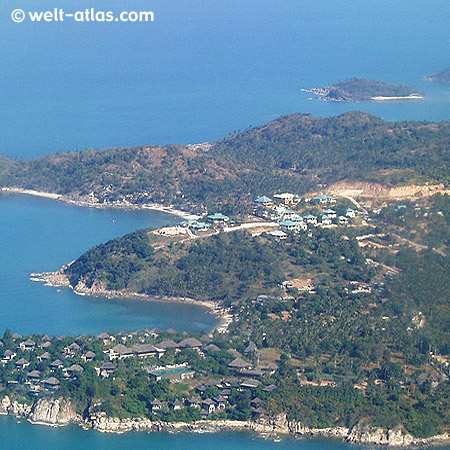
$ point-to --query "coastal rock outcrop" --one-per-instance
(55, 412)
(366, 434)
(15, 408)
(5, 403)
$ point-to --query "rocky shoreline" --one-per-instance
(60, 279)
(60, 412)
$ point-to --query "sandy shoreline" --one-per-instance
(117, 205)
(406, 97)
(31, 192)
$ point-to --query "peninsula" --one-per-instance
(363, 90)
(324, 241)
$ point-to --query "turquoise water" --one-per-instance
(203, 69)
(20, 436)
(206, 67)
(38, 235)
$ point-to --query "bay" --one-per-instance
(38, 235)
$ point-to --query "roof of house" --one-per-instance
(211, 348)
(167, 344)
(34, 374)
(269, 388)
(250, 383)
(56, 362)
(22, 362)
(234, 352)
(103, 336)
(52, 381)
(29, 343)
(218, 216)
(74, 346)
(75, 368)
(284, 195)
(121, 350)
(278, 233)
(107, 366)
(263, 199)
(89, 354)
(190, 342)
(45, 355)
(146, 348)
(251, 347)
(238, 363)
(288, 223)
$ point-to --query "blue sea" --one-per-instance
(201, 70)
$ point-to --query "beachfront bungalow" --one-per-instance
(193, 402)
(264, 201)
(176, 405)
(209, 406)
(155, 406)
(323, 199)
(221, 403)
(218, 218)
(286, 198)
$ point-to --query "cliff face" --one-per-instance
(55, 412)
(59, 412)
(46, 411)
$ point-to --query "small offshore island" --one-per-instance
(324, 243)
(440, 77)
(363, 90)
